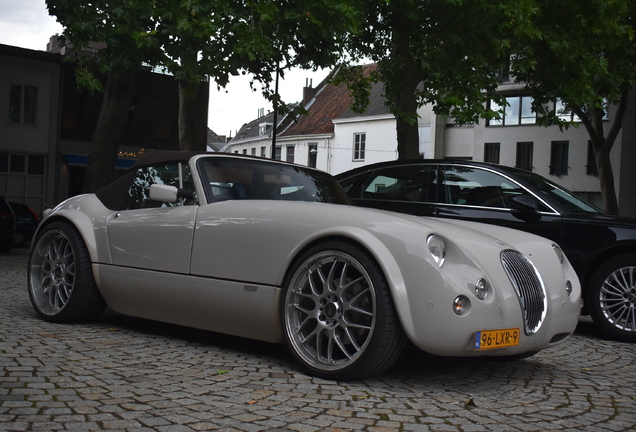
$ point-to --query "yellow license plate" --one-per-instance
(493, 339)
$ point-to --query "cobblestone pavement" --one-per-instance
(125, 374)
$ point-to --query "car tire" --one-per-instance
(60, 279)
(338, 315)
(611, 298)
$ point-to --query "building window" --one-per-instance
(289, 157)
(491, 153)
(591, 168)
(244, 151)
(22, 179)
(524, 155)
(277, 153)
(312, 157)
(503, 74)
(263, 128)
(563, 112)
(23, 104)
(559, 158)
(263, 151)
(359, 141)
(517, 111)
(253, 151)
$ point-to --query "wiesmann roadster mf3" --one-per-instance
(275, 252)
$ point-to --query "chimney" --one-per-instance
(308, 92)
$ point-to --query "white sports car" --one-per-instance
(275, 252)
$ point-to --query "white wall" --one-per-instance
(458, 139)
(45, 76)
(39, 139)
(381, 142)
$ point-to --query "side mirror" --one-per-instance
(524, 207)
(163, 193)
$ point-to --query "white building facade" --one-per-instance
(354, 140)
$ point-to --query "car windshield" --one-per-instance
(562, 196)
(230, 178)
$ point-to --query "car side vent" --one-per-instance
(529, 287)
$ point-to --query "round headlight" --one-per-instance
(461, 304)
(481, 288)
(568, 288)
(437, 248)
(557, 250)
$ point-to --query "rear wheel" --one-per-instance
(611, 298)
(339, 317)
(60, 279)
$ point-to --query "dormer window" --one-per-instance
(263, 128)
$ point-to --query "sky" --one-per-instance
(27, 24)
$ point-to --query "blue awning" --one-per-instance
(80, 160)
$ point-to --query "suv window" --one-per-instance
(403, 183)
(463, 185)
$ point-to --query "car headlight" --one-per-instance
(437, 248)
(568, 288)
(481, 288)
(559, 252)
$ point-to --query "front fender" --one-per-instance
(88, 215)
(378, 248)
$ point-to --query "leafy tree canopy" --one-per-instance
(195, 39)
(583, 53)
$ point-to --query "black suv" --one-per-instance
(7, 225)
(601, 248)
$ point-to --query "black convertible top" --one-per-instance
(163, 156)
(113, 194)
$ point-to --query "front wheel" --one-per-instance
(338, 314)
(60, 278)
(611, 298)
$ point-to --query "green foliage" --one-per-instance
(195, 39)
(451, 47)
(583, 53)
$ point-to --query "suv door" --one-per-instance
(483, 195)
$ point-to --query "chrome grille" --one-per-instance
(529, 288)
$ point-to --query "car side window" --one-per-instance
(404, 183)
(167, 174)
(229, 179)
(476, 187)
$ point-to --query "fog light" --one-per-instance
(461, 304)
(568, 288)
(481, 288)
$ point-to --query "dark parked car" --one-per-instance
(7, 226)
(601, 248)
(26, 221)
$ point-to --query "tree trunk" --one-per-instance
(188, 120)
(102, 156)
(406, 120)
(606, 179)
(602, 144)
(401, 95)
